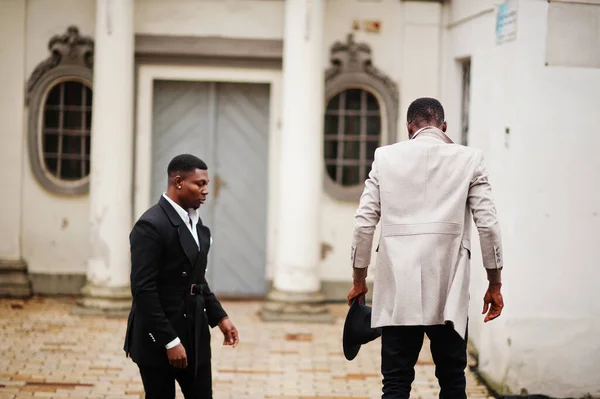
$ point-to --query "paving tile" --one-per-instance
(45, 351)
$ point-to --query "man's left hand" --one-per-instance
(230, 333)
(358, 289)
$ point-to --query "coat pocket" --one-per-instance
(467, 246)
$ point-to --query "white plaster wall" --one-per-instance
(492, 109)
(546, 341)
(465, 9)
(407, 50)
(12, 59)
(55, 229)
(227, 18)
(420, 53)
(336, 216)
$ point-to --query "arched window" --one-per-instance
(60, 115)
(361, 114)
(352, 133)
(65, 135)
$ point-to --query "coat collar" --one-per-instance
(185, 237)
(170, 211)
(432, 132)
(184, 214)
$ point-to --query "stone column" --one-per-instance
(108, 268)
(14, 280)
(295, 295)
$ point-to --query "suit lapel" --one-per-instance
(203, 237)
(185, 237)
(188, 243)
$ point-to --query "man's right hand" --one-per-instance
(493, 297)
(359, 288)
(177, 357)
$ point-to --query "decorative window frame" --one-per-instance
(352, 68)
(71, 59)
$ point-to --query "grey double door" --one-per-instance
(226, 125)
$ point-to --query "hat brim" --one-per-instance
(350, 349)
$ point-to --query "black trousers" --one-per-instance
(400, 347)
(159, 383)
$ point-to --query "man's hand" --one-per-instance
(358, 289)
(229, 331)
(493, 297)
(177, 357)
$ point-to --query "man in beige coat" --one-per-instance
(424, 191)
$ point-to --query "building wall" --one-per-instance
(409, 31)
(55, 228)
(12, 25)
(255, 19)
(56, 240)
(547, 205)
(55, 236)
(466, 9)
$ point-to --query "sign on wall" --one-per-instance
(506, 22)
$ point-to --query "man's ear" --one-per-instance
(177, 180)
(444, 127)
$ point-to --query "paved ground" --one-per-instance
(45, 351)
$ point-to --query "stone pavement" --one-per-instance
(45, 351)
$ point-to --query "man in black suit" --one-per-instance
(168, 327)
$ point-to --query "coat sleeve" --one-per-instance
(484, 215)
(146, 250)
(214, 311)
(365, 221)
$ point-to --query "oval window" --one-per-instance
(352, 133)
(65, 137)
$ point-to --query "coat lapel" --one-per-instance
(188, 243)
(185, 237)
(203, 236)
(204, 239)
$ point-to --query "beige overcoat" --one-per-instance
(425, 192)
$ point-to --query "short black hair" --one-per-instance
(426, 110)
(185, 163)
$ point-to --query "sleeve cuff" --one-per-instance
(173, 343)
(359, 274)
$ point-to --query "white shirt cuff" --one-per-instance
(173, 343)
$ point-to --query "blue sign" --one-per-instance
(506, 22)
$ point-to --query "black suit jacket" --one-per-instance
(165, 262)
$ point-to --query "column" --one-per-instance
(14, 280)
(295, 295)
(107, 286)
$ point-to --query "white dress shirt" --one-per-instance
(186, 216)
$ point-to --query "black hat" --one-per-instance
(357, 328)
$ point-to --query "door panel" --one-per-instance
(241, 209)
(226, 125)
(180, 117)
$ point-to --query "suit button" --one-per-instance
(184, 274)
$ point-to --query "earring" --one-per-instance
(179, 187)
